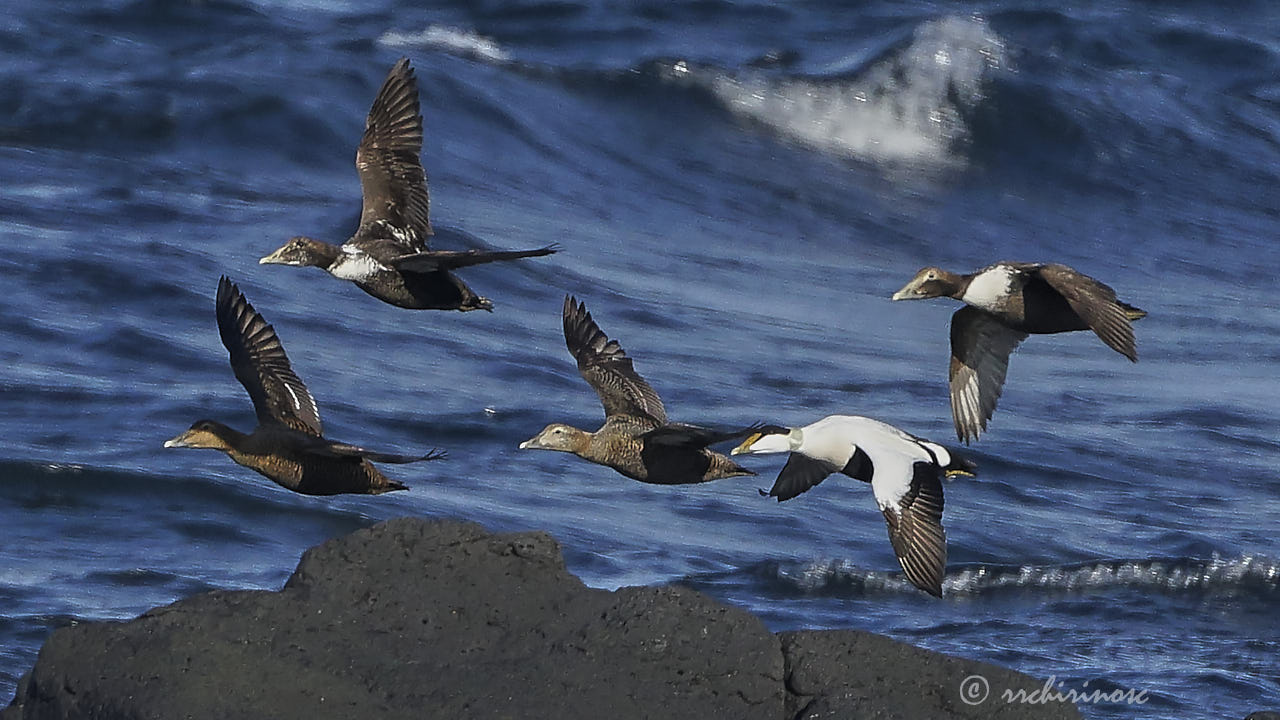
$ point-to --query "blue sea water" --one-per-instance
(737, 188)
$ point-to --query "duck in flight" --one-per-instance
(388, 256)
(904, 471)
(1004, 303)
(636, 439)
(287, 446)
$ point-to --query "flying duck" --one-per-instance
(1006, 302)
(636, 438)
(388, 256)
(287, 446)
(905, 473)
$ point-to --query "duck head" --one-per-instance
(304, 252)
(770, 439)
(558, 436)
(930, 282)
(205, 434)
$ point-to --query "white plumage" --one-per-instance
(356, 265)
(991, 287)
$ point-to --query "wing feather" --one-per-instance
(392, 180)
(606, 367)
(799, 475)
(915, 529)
(433, 260)
(1097, 305)
(980, 348)
(261, 366)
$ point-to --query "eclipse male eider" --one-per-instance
(287, 445)
(1006, 302)
(636, 438)
(388, 256)
(905, 473)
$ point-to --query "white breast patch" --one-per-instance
(356, 265)
(988, 289)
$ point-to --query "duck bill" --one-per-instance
(530, 444)
(908, 291)
(181, 441)
(745, 447)
(275, 258)
(956, 472)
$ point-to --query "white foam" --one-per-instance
(905, 107)
(450, 39)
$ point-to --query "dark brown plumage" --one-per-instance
(388, 256)
(287, 446)
(1006, 302)
(636, 439)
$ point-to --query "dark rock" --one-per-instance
(412, 619)
(856, 674)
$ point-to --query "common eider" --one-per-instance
(1006, 302)
(636, 439)
(388, 256)
(905, 473)
(287, 446)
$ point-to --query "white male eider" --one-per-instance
(905, 473)
(636, 439)
(1006, 302)
(388, 256)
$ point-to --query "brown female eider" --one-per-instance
(636, 438)
(287, 445)
(388, 256)
(1006, 302)
(904, 471)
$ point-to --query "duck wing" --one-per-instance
(914, 517)
(392, 180)
(433, 260)
(1096, 304)
(685, 435)
(343, 450)
(980, 348)
(259, 362)
(606, 367)
(799, 475)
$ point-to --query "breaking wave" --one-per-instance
(1247, 574)
(909, 105)
(449, 39)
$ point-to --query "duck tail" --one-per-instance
(1132, 312)
(391, 486)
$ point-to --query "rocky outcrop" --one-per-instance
(414, 619)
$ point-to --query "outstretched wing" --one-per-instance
(980, 348)
(695, 436)
(433, 260)
(391, 176)
(606, 367)
(799, 474)
(915, 529)
(335, 449)
(1096, 304)
(259, 362)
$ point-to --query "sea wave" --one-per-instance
(1247, 574)
(909, 105)
(450, 39)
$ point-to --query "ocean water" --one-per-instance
(737, 188)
